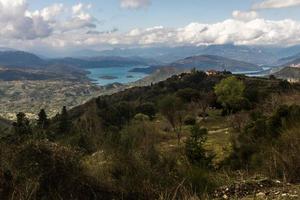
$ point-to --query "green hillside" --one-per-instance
(183, 138)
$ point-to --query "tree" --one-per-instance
(172, 108)
(64, 122)
(42, 121)
(230, 93)
(187, 94)
(147, 109)
(22, 125)
(194, 150)
(203, 101)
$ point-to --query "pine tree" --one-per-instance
(22, 125)
(64, 122)
(42, 121)
(194, 149)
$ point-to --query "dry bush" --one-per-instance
(239, 120)
(284, 160)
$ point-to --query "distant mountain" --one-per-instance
(294, 62)
(289, 73)
(85, 53)
(102, 62)
(207, 62)
(204, 63)
(289, 60)
(20, 59)
(52, 72)
(6, 49)
(16, 74)
(252, 54)
(288, 51)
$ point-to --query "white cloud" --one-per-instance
(18, 22)
(253, 32)
(15, 23)
(47, 13)
(266, 4)
(244, 16)
(134, 3)
(80, 19)
(77, 8)
(60, 27)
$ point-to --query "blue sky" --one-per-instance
(65, 25)
(169, 13)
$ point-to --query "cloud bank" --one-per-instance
(267, 4)
(59, 27)
(17, 22)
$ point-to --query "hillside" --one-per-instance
(177, 138)
(20, 59)
(204, 63)
(207, 62)
(289, 60)
(288, 73)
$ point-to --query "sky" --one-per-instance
(69, 25)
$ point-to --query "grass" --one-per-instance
(219, 135)
(218, 138)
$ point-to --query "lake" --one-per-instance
(259, 73)
(105, 76)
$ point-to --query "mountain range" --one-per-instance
(204, 63)
(218, 57)
(28, 60)
(261, 55)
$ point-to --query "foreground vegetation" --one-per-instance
(182, 138)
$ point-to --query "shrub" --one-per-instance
(283, 160)
(194, 150)
(147, 109)
(189, 120)
(51, 171)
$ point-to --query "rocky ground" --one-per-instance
(260, 189)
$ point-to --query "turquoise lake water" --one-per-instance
(122, 75)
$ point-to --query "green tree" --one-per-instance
(64, 121)
(172, 109)
(194, 150)
(22, 125)
(43, 120)
(230, 93)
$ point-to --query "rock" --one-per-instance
(225, 196)
(284, 195)
(260, 194)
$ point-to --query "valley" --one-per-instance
(30, 96)
(29, 83)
